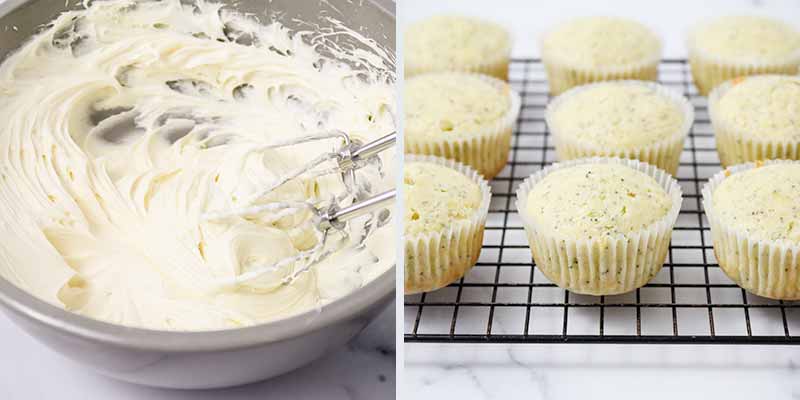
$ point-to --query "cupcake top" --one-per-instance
(593, 200)
(436, 196)
(747, 39)
(762, 202)
(450, 42)
(766, 106)
(453, 105)
(618, 115)
(591, 42)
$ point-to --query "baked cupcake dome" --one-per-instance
(592, 49)
(754, 213)
(446, 204)
(756, 118)
(735, 46)
(465, 117)
(457, 43)
(599, 226)
(627, 119)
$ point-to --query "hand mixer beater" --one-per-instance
(346, 159)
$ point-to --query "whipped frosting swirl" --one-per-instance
(124, 122)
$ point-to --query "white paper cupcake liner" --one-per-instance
(561, 76)
(737, 146)
(664, 154)
(709, 71)
(493, 66)
(485, 150)
(767, 268)
(605, 265)
(435, 259)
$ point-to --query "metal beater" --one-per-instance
(347, 159)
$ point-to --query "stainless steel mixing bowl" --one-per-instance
(203, 359)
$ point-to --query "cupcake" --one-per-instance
(465, 117)
(626, 119)
(754, 213)
(446, 204)
(756, 118)
(730, 47)
(592, 49)
(454, 43)
(599, 226)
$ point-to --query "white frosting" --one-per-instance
(103, 215)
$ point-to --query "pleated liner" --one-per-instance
(606, 265)
(709, 72)
(496, 67)
(561, 76)
(736, 146)
(495, 64)
(485, 150)
(768, 268)
(664, 154)
(435, 259)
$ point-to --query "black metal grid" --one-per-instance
(506, 299)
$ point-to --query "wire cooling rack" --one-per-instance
(506, 299)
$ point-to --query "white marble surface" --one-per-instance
(571, 371)
(364, 370)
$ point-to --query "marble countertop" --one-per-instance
(573, 371)
(363, 370)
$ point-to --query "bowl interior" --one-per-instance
(374, 19)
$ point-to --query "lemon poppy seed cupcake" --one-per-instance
(446, 204)
(599, 226)
(754, 213)
(592, 49)
(465, 117)
(756, 118)
(735, 46)
(626, 119)
(456, 43)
